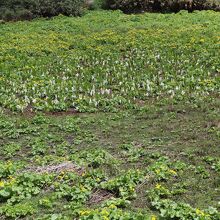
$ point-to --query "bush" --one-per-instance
(28, 9)
(162, 5)
(96, 4)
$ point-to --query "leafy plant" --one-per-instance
(124, 185)
(18, 210)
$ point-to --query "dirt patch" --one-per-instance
(70, 111)
(99, 195)
(63, 167)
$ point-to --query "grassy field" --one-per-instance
(111, 116)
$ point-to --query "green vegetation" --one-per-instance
(108, 60)
(146, 146)
(157, 161)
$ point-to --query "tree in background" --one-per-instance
(29, 9)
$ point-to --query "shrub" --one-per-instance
(6, 14)
(96, 4)
(28, 9)
(162, 5)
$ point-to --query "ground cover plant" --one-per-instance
(107, 59)
(110, 116)
(160, 162)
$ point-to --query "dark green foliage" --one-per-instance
(29, 9)
(163, 5)
(97, 4)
